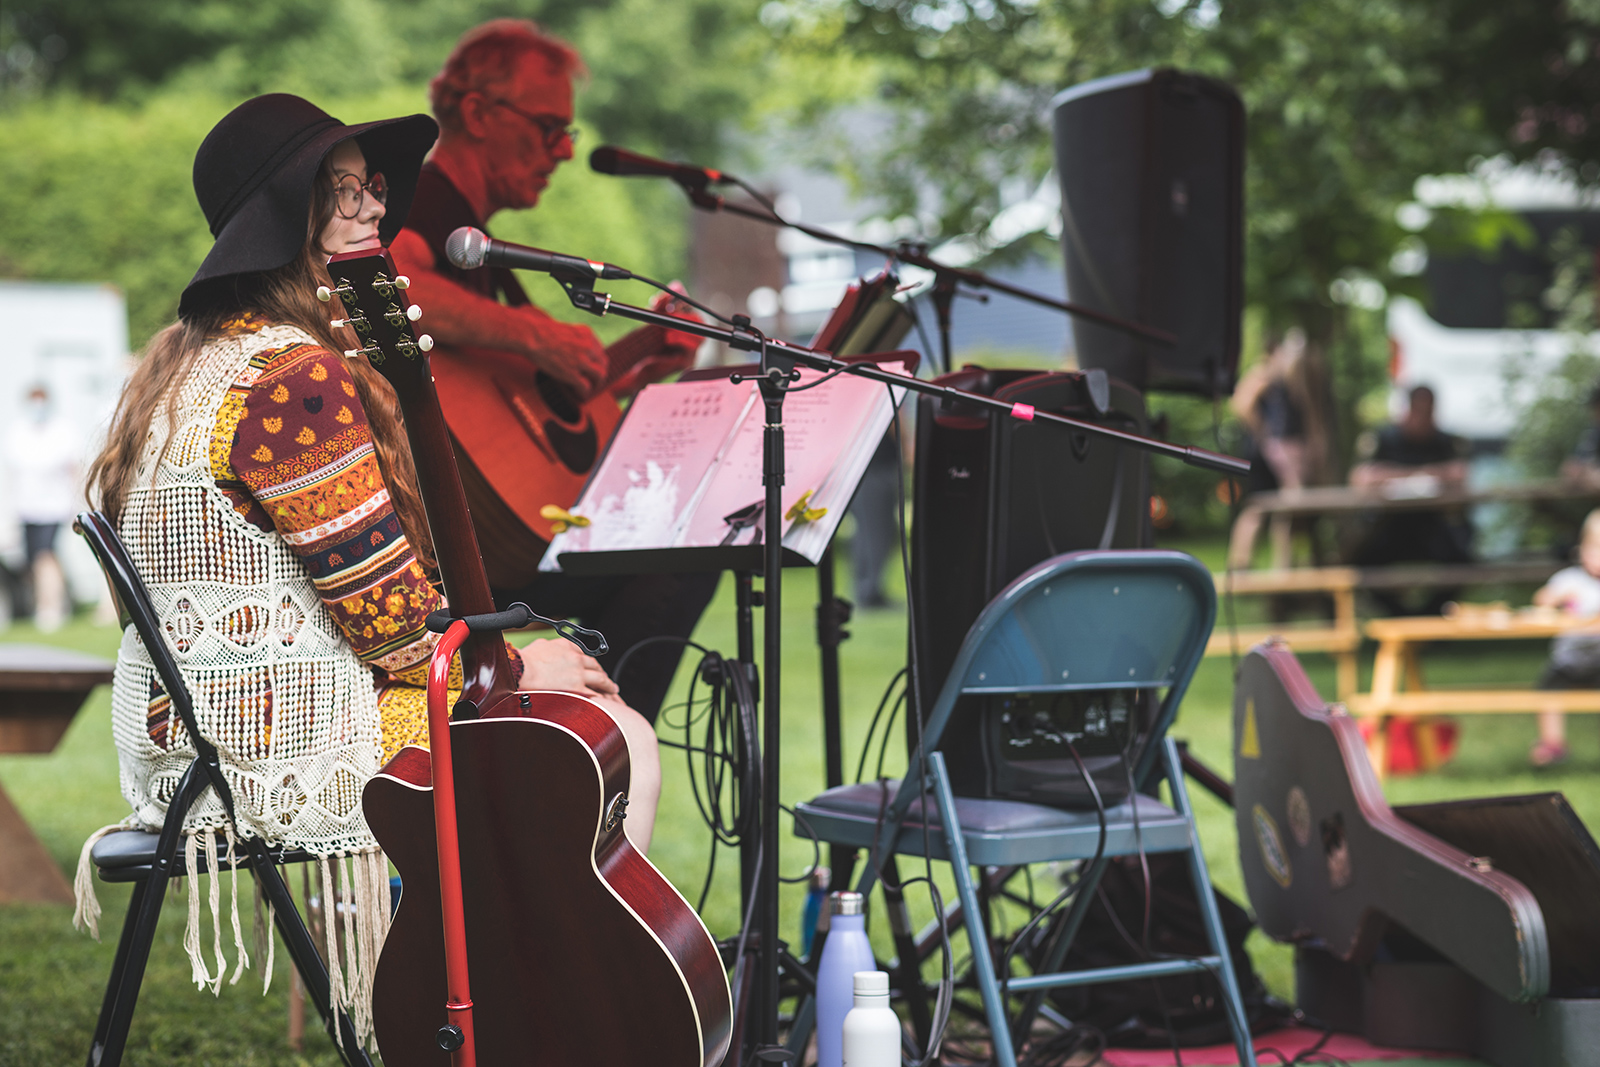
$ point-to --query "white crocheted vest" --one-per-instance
(276, 688)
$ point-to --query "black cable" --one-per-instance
(872, 727)
(685, 298)
(816, 847)
(1067, 891)
(723, 765)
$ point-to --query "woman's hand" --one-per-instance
(556, 663)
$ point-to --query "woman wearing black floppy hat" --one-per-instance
(264, 489)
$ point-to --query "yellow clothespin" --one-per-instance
(560, 518)
(798, 512)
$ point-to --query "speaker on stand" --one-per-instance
(1151, 166)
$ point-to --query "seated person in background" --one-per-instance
(1574, 657)
(1583, 466)
(1414, 457)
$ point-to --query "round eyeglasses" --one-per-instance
(554, 128)
(351, 189)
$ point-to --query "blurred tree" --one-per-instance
(1348, 103)
(105, 101)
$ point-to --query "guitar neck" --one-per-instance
(630, 348)
(374, 302)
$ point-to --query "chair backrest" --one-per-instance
(1086, 621)
(133, 603)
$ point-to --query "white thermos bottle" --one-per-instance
(872, 1029)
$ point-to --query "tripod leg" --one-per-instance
(1060, 941)
(908, 972)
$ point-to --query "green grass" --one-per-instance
(51, 977)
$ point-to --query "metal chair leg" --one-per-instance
(977, 935)
(144, 911)
(1238, 1022)
(108, 1004)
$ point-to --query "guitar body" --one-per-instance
(581, 952)
(523, 442)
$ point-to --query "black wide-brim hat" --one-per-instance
(253, 175)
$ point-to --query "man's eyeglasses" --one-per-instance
(554, 129)
(350, 190)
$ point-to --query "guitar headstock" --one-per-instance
(373, 299)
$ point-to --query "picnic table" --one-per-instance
(1341, 635)
(1261, 509)
(1399, 688)
(41, 690)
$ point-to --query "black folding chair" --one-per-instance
(149, 860)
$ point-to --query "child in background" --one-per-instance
(1574, 657)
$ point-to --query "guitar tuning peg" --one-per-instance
(338, 324)
(402, 282)
(324, 294)
(351, 353)
(413, 313)
(425, 343)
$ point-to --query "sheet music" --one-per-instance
(688, 454)
(646, 488)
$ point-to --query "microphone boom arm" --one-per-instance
(915, 257)
(581, 293)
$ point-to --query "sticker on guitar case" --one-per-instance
(1273, 855)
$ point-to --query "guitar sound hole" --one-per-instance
(558, 398)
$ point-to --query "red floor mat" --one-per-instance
(1289, 1042)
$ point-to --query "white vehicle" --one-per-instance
(1486, 340)
(1469, 370)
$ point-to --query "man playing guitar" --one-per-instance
(504, 102)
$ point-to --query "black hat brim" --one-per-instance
(269, 228)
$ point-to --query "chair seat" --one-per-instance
(127, 855)
(997, 833)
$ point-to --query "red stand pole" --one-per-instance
(458, 1002)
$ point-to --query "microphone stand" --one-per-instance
(778, 361)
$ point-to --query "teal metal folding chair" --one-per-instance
(1084, 622)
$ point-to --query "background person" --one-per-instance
(44, 464)
(504, 105)
(1574, 657)
(1416, 457)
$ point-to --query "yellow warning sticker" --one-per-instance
(1249, 737)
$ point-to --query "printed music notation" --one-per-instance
(687, 454)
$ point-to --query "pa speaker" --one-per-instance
(1151, 166)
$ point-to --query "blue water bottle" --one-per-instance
(815, 897)
(845, 952)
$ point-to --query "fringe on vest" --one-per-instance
(351, 892)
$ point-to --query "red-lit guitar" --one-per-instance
(578, 950)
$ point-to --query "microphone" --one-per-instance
(470, 248)
(609, 159)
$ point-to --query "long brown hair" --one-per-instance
(286, 295)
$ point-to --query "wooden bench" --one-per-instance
(1341, 635)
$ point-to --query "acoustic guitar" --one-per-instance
(579, 951)
(525, 440)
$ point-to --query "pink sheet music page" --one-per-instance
(655, 467)
(688, 455)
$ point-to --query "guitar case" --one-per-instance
(1470, 925)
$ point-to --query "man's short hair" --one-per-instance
(1419, 393)
(488, 56)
